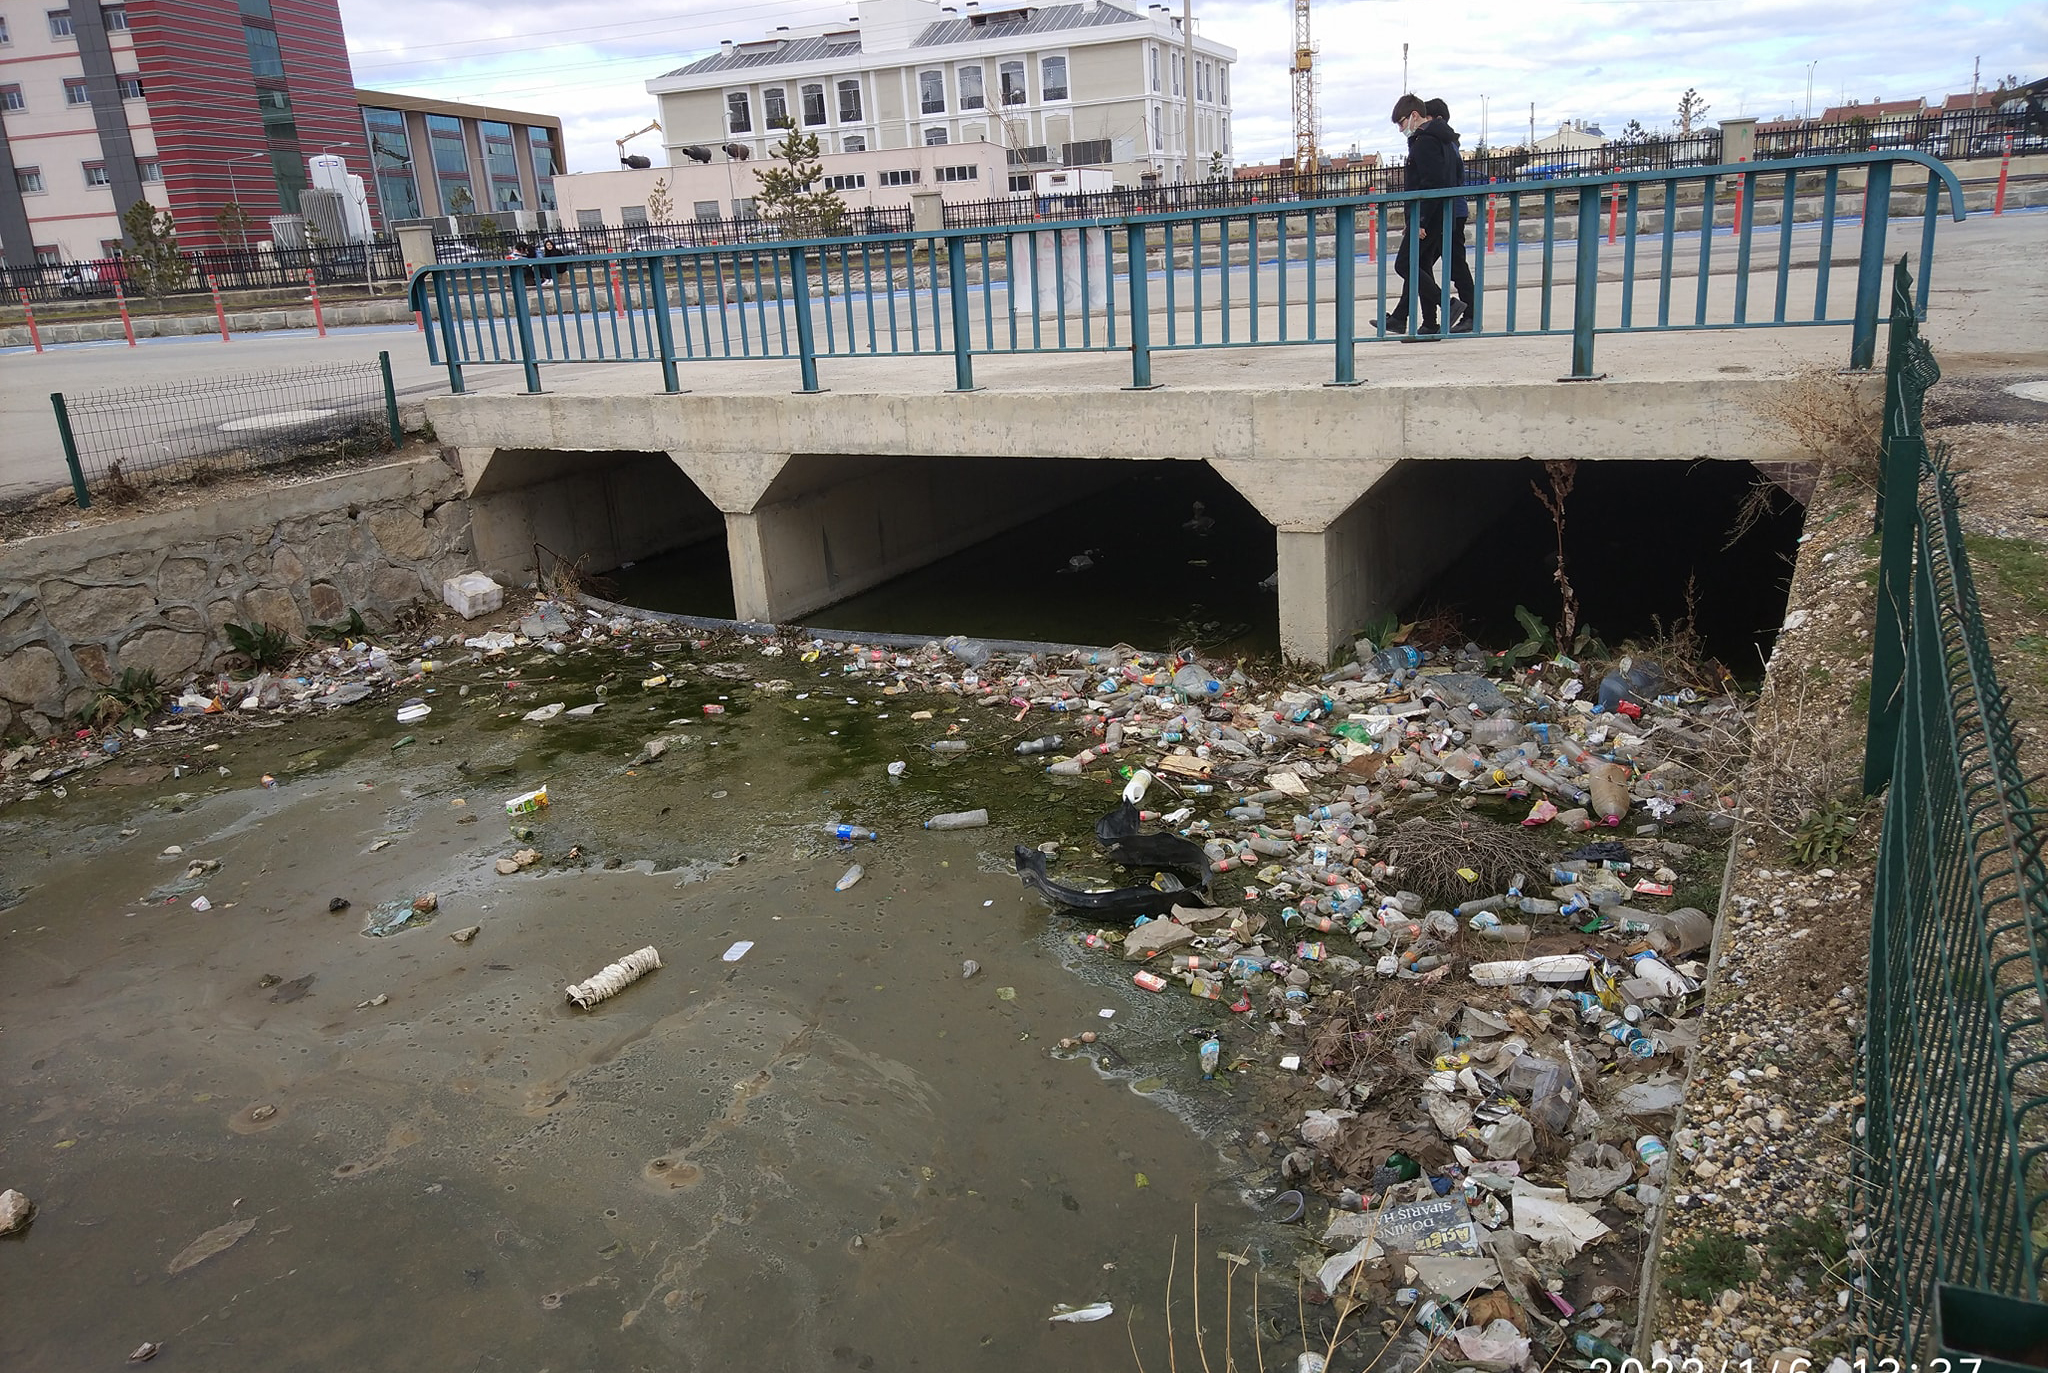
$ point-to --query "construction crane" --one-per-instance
(1304, 94)
(652, 126)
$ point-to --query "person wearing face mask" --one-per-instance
(1461, 265)
(1432, 165)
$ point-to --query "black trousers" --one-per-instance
(1426, 287)
(1461, 266)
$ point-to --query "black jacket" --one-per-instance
(1434, 163)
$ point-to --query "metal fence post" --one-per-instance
(1586, 287)
(806, 352)
(1901, 448)
(390, 400)
(451, 341)
(1141, 309)
(70, 450)
(522, 320)
(1877, 200)
(956, 294)
(664, 328)
(1347, 292)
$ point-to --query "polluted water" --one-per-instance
(1240, 974)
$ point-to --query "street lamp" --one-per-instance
(235, 194)
(1809, 86)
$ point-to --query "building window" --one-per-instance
(849, 102)
(850, 181)
(590, 219)
(131, 87)
(1084, 154)
(931, 92)
(1153, 54)
(1178, 66)
(1012, 76)
(1222, 85)
(6, 38)
(47, 256)
(1158, 136)
(934, 138)
(149, 169)
(854, 143)
(743, 208)
(814, 105)
(633, 216)
(774, 107)
(265, 59)
(451, 164)
(110, 248)
(970, 89)
(76, 91)
(705, 210)
(737, 117)
(540, 147)
(902, 178)
(967, 173)
(10, 99)
(115, 17)
(60, 24)
(96, 174)
(29, 180)
(1021, 183)
(391, 160)
(1052, 78)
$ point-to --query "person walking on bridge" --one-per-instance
(1461, 265)
(1432, 165)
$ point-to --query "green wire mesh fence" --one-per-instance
(1953, 1178)
(118, 440)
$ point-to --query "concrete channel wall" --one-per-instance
(78, 606)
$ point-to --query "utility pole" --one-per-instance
(1482, 121)
(1404, 69)
(1809, 87)
(1189, 150)
(1976, 74)
(1532, 126)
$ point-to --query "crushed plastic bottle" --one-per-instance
(846, 834)
(958, 820)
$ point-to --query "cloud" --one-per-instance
(1604, 61)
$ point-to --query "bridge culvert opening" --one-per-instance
(1645, 543)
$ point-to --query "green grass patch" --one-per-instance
(1820, 674)
(1812, 1246)
(1707, 1265)
(1862, 703)
(2018, 568)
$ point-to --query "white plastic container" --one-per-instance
(472, 594)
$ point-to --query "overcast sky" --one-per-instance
(1604, 61)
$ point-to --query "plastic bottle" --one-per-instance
(1593, 1347)
(1388, 661)
(1212, 1054)
(1044, 744)
(846, 834)
(1654, 1155)
(1609, 793)
(1192, 681)
(1500, 730)
(958, 820)
(970, 651)
(948, 746)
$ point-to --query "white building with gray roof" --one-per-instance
(1088, 84)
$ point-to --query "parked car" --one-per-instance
(91, 278)
(461, 252)
(656, 243)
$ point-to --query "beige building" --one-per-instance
(725, 189)
(1086, 84)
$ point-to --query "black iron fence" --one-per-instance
(490, 245)
(1954, 137)
(231, 269)
(116, 441)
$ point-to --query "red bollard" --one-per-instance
(419, 322)
(34, 336)
(127, 327)
(2004, 168)
(319, 320)
(1492, 206)
(219, 313)
(1613, 212)
(618, 294)
(1735, 224)
(1372, 233)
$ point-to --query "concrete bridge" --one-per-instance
(1371, 489)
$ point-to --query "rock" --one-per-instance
(95, 612)
(506, 867)
(328, 605)
(269, 606)
(395, 588)
(92, 661)
(1153, 937)
(465, 934)
(169, 653)
(426, 905)
(181, 579)
(32, 676)
(285, 565)
(16, 1211)
(402, 534)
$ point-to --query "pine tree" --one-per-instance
(786, 199)
(1692, 109)
(154, 264)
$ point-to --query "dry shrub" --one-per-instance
(1427, 852)
(117, 489)
(1835, 416)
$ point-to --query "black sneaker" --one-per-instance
(1395, 324)
(1461, 319)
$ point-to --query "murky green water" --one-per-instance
(832, 1153)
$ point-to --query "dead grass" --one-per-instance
(1834, 416)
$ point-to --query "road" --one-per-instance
(1990, 282)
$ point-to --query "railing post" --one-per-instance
(1347, 296)
(1901, 446)
(956, 297)
(390, 400)
(78, 490)
(451, 339)
(1877, 202)
(1586, 287)
(806, 351)
(522, 320)
(1141, 308)
(664, 328)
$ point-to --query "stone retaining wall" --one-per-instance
(155, 591)
(55, 329)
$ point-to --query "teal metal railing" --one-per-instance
(1952, 1176)
(1710, 248)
